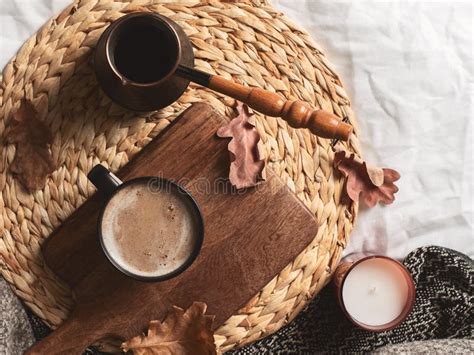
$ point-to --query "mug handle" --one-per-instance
(104, 180)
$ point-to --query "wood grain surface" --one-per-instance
(250, 236)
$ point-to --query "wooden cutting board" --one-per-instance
(250, 237)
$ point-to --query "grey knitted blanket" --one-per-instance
(443, 310)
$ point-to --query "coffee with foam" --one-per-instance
(150, 232)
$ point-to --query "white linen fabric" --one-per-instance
(408, 67)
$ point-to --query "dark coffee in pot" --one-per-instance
(136, 60)
(142, 53)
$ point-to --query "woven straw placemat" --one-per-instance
(250, 42)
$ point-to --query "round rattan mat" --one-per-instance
(250, 42)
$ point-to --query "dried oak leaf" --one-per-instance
(181, 333)
(33, 161)
(246, 165)
(369, 183)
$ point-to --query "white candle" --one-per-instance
(375, 291)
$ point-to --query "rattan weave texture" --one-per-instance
(250, 42)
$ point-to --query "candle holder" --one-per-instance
(345, 269)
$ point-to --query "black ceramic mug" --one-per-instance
(149, 228)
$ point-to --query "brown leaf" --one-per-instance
(246, 166)
(370, 183)
(181, 333)
(33, 161)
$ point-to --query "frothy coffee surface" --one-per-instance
(149, 232)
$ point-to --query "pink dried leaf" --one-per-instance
(246, 165)
(368, 183)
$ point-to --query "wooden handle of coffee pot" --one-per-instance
(298, 114)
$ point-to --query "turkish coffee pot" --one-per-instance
(145, 61)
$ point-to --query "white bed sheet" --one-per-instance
(408, 67)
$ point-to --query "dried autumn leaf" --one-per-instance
(246, 166)
(369, 183)
(33, 161)
(181, 333)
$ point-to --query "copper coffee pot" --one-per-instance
(145, 61)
